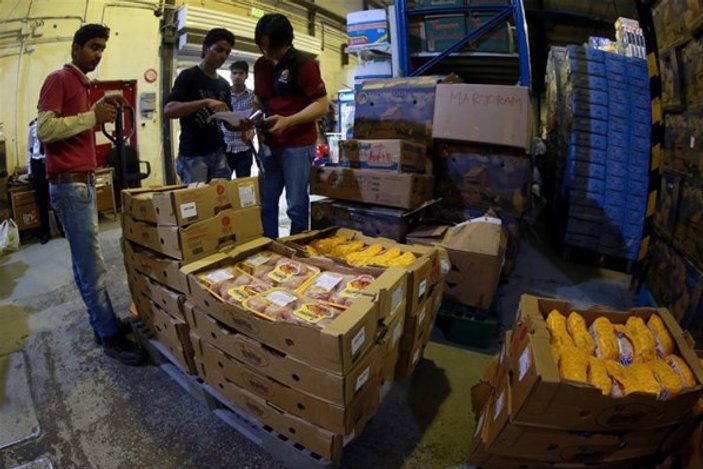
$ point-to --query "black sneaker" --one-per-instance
(124, 350)
(125, 328)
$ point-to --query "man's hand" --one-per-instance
(216, 106)
(278, 124)
(248, 136)
(104, 112)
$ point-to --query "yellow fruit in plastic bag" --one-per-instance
(343, 249)
(603, 335)
(556, 325)
(576, 326)
(642, 339)
(362, 258)
(668, 379)
(325, 245)
(682, 370)
(623, 383)
(598, 375)
(403, 260)
(626, 350)
(385, 258)
(665, 344)
(573, 363)
(311, 251)
(644, 379)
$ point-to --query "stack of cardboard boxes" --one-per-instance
(529, 416)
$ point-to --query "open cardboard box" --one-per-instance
(334, 417)
(228, 227)
(167, 299)
(389, 340)
(183, 205)
(163, 269)
(336, 347)
(421, 273)
(541, 398)
(295, 372)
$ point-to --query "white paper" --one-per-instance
(219, 276)
(416, 356)
(693, 141)
(233, 118)
(499, 405)
(479, 425)
(445, 266)
(524, 364)
(422, 288)
(397, 332)
(280, 298)
(189, 210)
(349, 438)
(421, 316)
(362, 379)
(396, 299)
(358, 340)
(247, 195)
(327, 281)
(258, 260)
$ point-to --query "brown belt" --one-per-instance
(67, 178)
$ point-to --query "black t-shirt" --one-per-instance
(197, 136)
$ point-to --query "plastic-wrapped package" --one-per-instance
(336, 288)
(362, 257)
(688, 380)
(324, 246)
(573, 363)
(278, 304)
(665, 343)
(644, 377)
(556, 325)
(576, 326)
(278, 271)
(603, 335)
(642, 339)
(669, 381)
(341, 250)
(598, 375)
(626, 349)
(623, 383)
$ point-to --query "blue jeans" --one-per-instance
(203, 168)
(289, 168)
(75, 205)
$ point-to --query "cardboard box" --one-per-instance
(541, 398)
(389, 340)
(422, 274)
(171, 332)
(338, 419)
(692, 67)
(672, 99)
(688, 229)
(375, 70)
(442, 32)
(367, 27)
(427, 235)
(227, 228)
(391, 155)
(169, 300)
(496, 40)
(683, 144)
(408, 191)
(667, 203)
(392, 223)
(401, 108)
(493, 114)
(284, 368)
(483, 177)
(476, 251)
(182, 205)
(163, 269)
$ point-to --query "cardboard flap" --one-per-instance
(429, 231)
(481, 235)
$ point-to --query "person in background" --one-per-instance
(290, 90)
(36, 169)
(239, 154)
(198, 93)
(65, 128)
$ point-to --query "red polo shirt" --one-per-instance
(287, 88)
(67, 93)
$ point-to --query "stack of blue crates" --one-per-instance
(606, 157)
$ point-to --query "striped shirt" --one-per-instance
(242, 102)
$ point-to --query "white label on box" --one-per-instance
(693, 141)
(362, 379)
(524, 364)
(416, 356)
(396, 299)
(383, 392)
(422, 288)
(247, 195)
(280, 298)
(445, 266)
(219, 276)
(499, 405)
(189, 210)
(397, 333)
(422, 315)
(479, 424)
(502, 354)
(259, 259)
(358, 340)
(348, 438)
(327, 281)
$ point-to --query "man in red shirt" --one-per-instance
(66, 123)
(290, 90)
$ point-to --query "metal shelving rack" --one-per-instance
(478, 66)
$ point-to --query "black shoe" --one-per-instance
(45, 239)
(125, 328)
(124, 350)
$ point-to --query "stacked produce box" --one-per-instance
(604, 146)
(586, 387)
(675, 260)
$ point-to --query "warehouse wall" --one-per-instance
(35, 39)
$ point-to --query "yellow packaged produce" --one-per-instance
(644, 377)
(668, 379)
(341, 250)
(642, 339)
(312, 251)
(362, 257)
(572, 362)
(384, 258)
(626, 350)
(603, 335)
(576, 326)
(665, 344)
(598, 375)
(682, 370)
(403, 260)
(623, 383)
(556, 325)
(325, 245)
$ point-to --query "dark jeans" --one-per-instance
(240, 163)
(41, 189)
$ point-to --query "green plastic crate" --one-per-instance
(466, 328)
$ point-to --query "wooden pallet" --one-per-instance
(596, 259)
(279, 446)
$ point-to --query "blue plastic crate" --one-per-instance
(635, 214)
(587, 198)
(590, 82)
(589, 96)
(640, 129)
(639, 172)
(614, 213)
(583, 124)
(620, 140)
(628, 253)
(618, 153)
(641, 158)
(588, 67)
(620, 110)
(587, 184)
(619, 124)
(640, 115)
(587, 213)
(640, 101)
(585, 53)
(580, 240)
(585, 139)
(586, 154)
(640, 144)
(592, 111)
(637, 187)
(615, 198)
(633, 231)
(588, 227)
(618, 96)
(617, 169)
(618, 80)
(615, 65)
(586, 169)
(614, 183)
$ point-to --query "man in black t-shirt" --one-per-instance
(198, 93)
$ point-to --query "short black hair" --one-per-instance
(239, 65)
(218, 34)
(90, 31)
(277, 28)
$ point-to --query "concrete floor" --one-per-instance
(89, 411)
